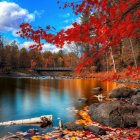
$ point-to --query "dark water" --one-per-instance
(27, 98)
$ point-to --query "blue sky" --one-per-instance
(36, 12)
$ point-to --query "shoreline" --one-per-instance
(35, 76)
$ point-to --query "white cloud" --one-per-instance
(26, 44)
(39, 13)
(47, 47)
(12, 15)
(50, 47)
(68, 27)
(78, 20)
(53, 48)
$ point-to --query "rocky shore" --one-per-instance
(118, 119)
(37, 76)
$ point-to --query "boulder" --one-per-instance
(137, 114)
(137, 90)
(121, 92)
(96, 130)
(72, 126)
(115, 114)
(136, 99)
(138, 121)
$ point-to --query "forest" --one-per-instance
(126, 54)
(12, 58)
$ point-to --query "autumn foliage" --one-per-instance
(110, 22)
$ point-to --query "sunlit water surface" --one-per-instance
(28, 98)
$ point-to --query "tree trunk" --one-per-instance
(121, 54)
(106, 62)
(28, 121)
(114, 66)
(135, 62)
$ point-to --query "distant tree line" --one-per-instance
(13, 59)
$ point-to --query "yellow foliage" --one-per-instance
(73, 138)
(36, 138)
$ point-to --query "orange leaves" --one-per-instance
(85, 118)
(33, 64)
(129, 74)
(115, 76)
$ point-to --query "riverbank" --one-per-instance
(120, 77)
(116, 119)
(102, 76)
(16, 75)
(83, 129)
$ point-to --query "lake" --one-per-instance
(27, 98)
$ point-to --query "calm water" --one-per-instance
(27, 98)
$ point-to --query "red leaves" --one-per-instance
(107, 26)
(133, 72)
(81, 33)
(130, 73)
(115, 76)
(130, 138)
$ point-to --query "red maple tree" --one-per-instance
(110, 22)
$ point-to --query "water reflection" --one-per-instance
(26, 98)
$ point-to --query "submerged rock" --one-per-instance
(83, 100)
(115, 114)
(73, 126)
(96, 130)
(121, 92)
(97, 89)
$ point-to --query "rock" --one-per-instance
(97, 89)
(121, 92)
(137, 114)
(137, 90)
(136, 99)
(84, 100)
(138, 121)
(96, 130)
(115, 114)
(73, 126)
(32, 131)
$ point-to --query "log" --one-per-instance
(37, 120)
